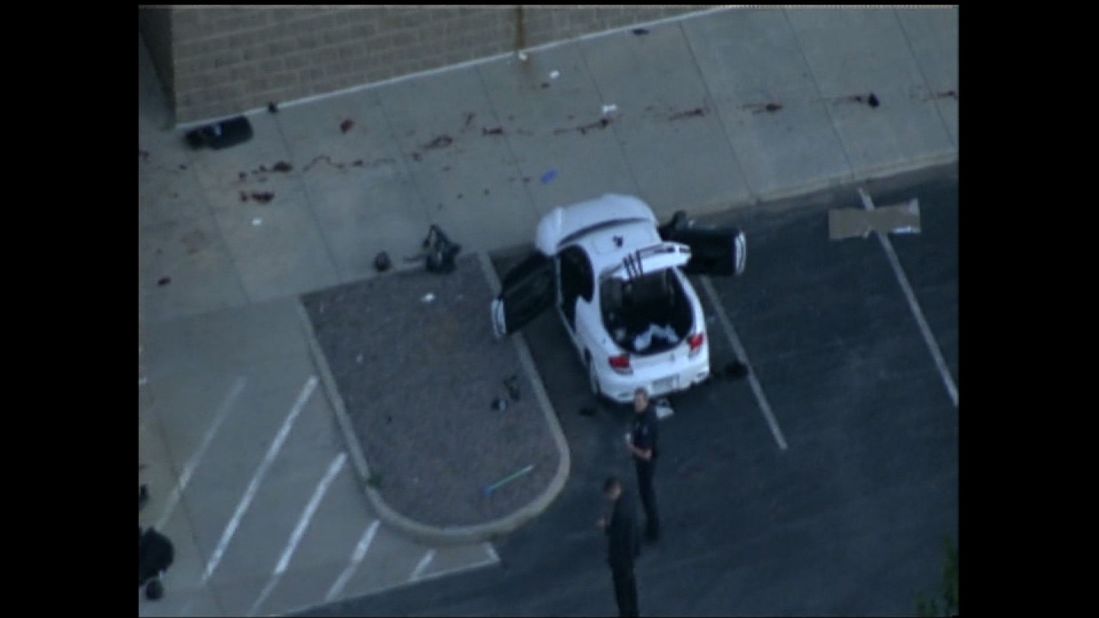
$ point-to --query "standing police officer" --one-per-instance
(622, 546)
(643, 447)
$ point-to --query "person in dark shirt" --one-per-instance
(643, 446)
(622, 546)
(155, 554)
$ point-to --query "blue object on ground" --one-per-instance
(549, 176)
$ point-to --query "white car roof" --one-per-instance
(566, 222)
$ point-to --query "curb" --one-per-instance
(867, 174)
(450, 535)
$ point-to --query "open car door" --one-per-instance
(714, 251)
(528, 290)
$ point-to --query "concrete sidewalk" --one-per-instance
(690, 131)
(482, 150)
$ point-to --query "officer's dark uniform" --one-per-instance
(155, 554)
(622, 547)
(644, 436)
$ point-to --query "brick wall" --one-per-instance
(229, 60)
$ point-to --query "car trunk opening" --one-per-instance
(648, 314)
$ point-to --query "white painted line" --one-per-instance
(420, 568)
(270, 587)
(932, 345)
(250, 493)
(458, 569)
(189, 468)
(730, 332)
(299, 531)
(491, 551)
(356, 557)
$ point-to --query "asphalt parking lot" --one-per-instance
(850, 518)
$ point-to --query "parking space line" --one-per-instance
(189, 468)
(424, 562)
(932, 345)
(299, 531)
(356, 557)
(491, 551)
(250, 493)
(730, 333)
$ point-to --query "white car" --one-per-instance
(619, 283)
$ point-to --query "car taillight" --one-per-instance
(621, 363)
(696, 341)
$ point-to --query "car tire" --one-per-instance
(593, 380)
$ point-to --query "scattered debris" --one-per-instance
(494, 131)
(257, 221)
(522, 57)
(512, 384)
(282, 166)
(144, 154)
(182, 166)
(416, 157)
(163, 281)
(469, 119)
(504, 481)
(640, 31)
(243, 196)
(221, 134)
(428, 298)
(382, 262)
(486, 191)
(346, 125)
(545, 85)
(526, 178)
(549, 176)
(663, 409)
(272, 107)
(758, 108)
(142, 496)
(871, 99)
(242, 176)
(555, 74)
(602, 123)
(499, 404)
(262, 198)
(440, 142)
(609, 109)
(341, 166)
(696, 112)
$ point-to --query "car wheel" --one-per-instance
(593, 380)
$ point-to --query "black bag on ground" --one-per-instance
(441, 254)
(221, 134)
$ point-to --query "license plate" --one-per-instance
(665, 384)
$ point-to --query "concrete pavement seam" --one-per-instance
(507, 140)
(820, 94)
(614, 127)
(309, 207)
(923, 74)
(713, 102)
